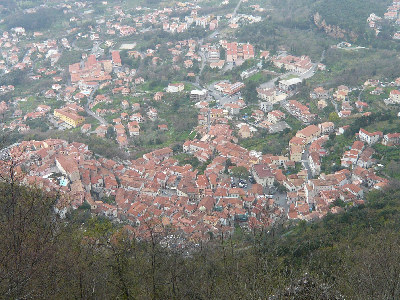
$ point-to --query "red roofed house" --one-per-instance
(391, 139)
(116, 58)
(395, 96)
(263, 175)
(370, 137)
(175, 87)
(309, 133)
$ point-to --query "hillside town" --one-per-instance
(194, 130)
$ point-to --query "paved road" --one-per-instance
(220, 97)
(281, 200)
(335, 105)
(203, 64)
(89, 112)
(198, 86)
(210, 36)
(359, 95)
(310, 73)
(236, 9)
(304, 160)
(270, 84)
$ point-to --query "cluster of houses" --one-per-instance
(316, 197)
(292, 63)
(227, 88)
(300, 111)
(235, 53)
(176, 25)
(16, 57)
(155, 188)
(392, 14)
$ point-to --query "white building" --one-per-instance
(175, 87)
(368, 137)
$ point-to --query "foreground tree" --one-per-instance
(28, 234)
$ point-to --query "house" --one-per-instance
(300, 111)
(315, 163)
(86, 128)
(152, 114)
(68, 166)
(309, 133)
(116, 59)
(198, 95)
(271, 96)
(290, 84)
(70, 115)
(163, 127)
(158, 96)
(395, 96)
(326, 127)
(258, 115)
(292, 63)
(391, 139)
(133, 128)
(137, 117)
(265, 106)
(296, 152)
(275, 116)
(159, 154)
(344, 113)
(175, 87)
(217, 65)
(233, 88)
(319, 93)
(263, 175)
(369, 137)
(244, 131)
(322, 104)
(135, 106)
(361, 105)
(232, 108)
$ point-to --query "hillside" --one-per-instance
(352, 255)
(346, 18)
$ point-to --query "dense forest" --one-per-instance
(352, 255)
(350, 15)
(44, 18)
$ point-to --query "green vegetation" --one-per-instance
(84, 43)
(351, 255)
(39, 124)
(267, 143)
(15, 78)
(69, 57)
(350, 15)
(389, 157)
(176, 110)
(99, 146)
(240, 172)
(336, 146)
(184, 159)
(352, 68)
(44, 18)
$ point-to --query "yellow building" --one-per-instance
(309, 133)
(69, 116)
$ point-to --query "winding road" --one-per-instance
(90, 112)
(210, 36)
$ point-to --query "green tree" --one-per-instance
(333, 117)
(111, 134)
(240, 172)
(228, 163)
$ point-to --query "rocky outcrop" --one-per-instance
(332, 30)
